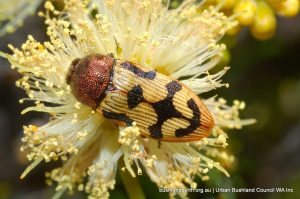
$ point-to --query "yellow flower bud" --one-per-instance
(226, 4)
(234, 30)
(286, 8)
(245, 11)
(264, 23)
(262, 36)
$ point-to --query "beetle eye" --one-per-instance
(71, 70)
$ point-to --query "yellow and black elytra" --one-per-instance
(163, 108)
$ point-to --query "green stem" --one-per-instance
(132, 185)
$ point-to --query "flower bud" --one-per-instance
(234, 30)
(245, 11)
(264, 23)
(286, 8)
(226, 4)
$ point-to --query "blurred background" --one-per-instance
(265, 74)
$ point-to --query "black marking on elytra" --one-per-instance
(165, 110)
(135, 96)
(118, 116)
(146, 75)
(194, 121)
(172, 88)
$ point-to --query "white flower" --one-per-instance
(180, 43)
